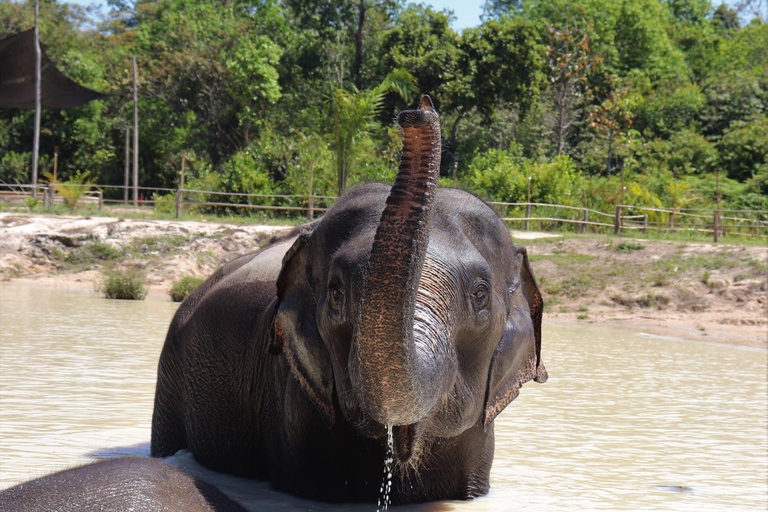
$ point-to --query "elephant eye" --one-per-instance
(336, 297)
(480, 296)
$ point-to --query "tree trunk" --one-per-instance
(358, 70)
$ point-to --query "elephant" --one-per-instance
(137, 484)
(406, 310)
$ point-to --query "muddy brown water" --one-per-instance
(626, 422)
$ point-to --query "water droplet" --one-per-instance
(386, 485)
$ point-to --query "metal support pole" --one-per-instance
(135, 137)
(36, 141)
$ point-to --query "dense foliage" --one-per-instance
(287, 96)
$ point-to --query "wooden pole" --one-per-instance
(36, 141)
(528, 205)
(180, 191)
(135, 137)
(52, 186)
(456, 172)
(126, 180)
(55, 163)
(311, 200)
(585, 218)
(716, 220)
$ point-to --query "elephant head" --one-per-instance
(410, 306)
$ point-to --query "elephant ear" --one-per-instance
(517, 358)
(296, 332)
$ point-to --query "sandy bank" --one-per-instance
(695, 291)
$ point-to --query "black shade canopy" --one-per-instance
(17, 78)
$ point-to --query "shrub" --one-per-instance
(124, 284)
(14, 167)
(629, 247)
(164, 203)
(74, 188)
(183, 287)
(31, 203)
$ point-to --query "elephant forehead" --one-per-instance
(456, 256)
(354, 254)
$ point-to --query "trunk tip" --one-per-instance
(425, 115)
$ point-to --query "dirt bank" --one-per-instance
(691, 290)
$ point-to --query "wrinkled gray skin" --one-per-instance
(407, 306)
(120, 485)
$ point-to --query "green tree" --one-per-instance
(353, 113)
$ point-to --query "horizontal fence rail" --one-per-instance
(625, 218)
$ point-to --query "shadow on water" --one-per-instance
(115, 452)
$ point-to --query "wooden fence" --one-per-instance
(543, 217)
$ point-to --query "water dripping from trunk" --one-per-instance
(386, 482)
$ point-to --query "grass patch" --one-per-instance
(157, 244)
(660, 279)
(626, 247)
(570, 287)
(648, 300)
(181, 288)
(87, 254)
(124, 284)
(563, 259)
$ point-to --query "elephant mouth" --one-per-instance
(407, 441)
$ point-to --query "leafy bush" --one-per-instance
(183, 287)
(164, 203)
(31, 202)
(14, 167)
(124, 284)
(502, 176)
(744, 148)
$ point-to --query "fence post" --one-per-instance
(311, 207)
(617, 221)
(645, 223)
(527, 214)
(178, 202)
(716, 225)
(101, 199)
(584, 220)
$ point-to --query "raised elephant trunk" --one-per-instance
(398, 381)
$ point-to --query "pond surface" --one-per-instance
(625, 422)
